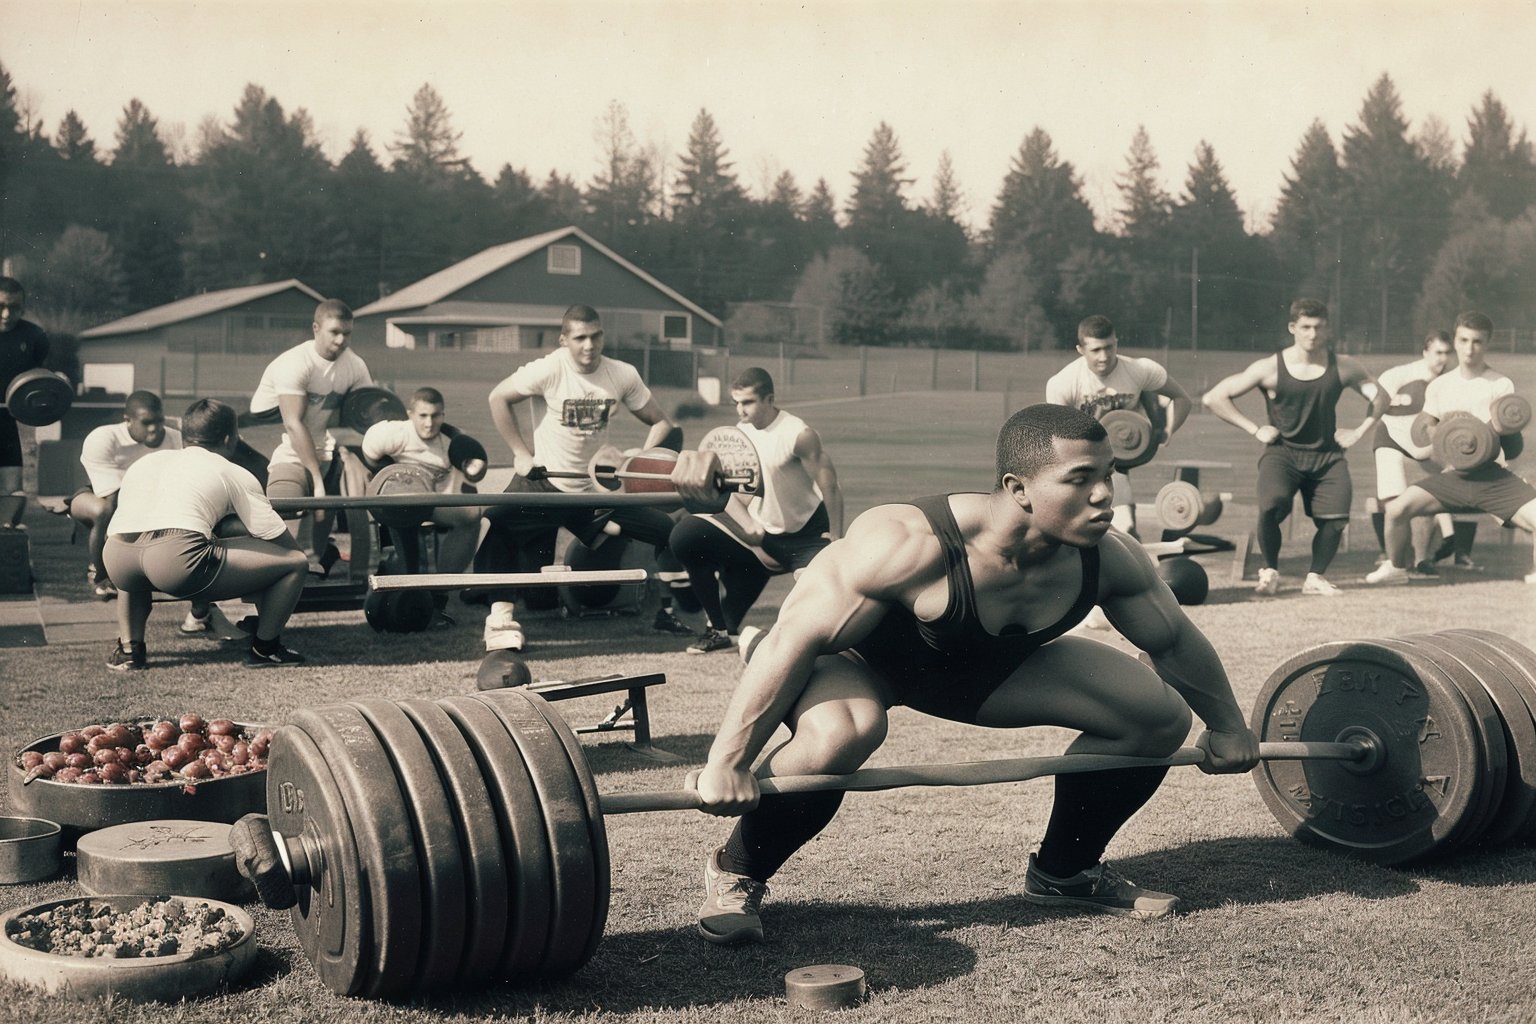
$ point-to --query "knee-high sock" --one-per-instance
(1090, 808)
(1325, 543)
(768, 836)
(1379, 525)
(1269, 537)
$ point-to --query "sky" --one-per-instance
(792, 86)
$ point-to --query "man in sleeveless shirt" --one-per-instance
(799, 512)
(1492, 488)
(956, 606)
(23, 346)
(1304, 448)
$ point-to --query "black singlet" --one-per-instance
(950, 665)
(1303, 410)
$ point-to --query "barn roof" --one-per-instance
(195, 306)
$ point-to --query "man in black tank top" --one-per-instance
(1304, 448)
(955, 606)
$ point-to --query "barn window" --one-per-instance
(565, 259)
(674, 327)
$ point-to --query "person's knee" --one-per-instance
(1166, 727)
(1330, 526)
(688, 537)
(840, 736)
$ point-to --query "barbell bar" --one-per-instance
(539, 499)
(499, 580)
(603, 473)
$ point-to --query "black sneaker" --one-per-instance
(1099, 888)
(1425, 568)
(278, 655)
(666, 621)
(712, 640)
(132, 659)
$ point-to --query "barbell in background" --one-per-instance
(426, 845)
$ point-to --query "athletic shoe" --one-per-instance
(1388, 573)
(1269, 583)
(729, 915)
(1317, 586)
(1425, 568)
(276, 657)
(503, 632)
(1100, 888)
(666, 621)
(131, 659)
(1465, 564)
(751, 636)
(103, 589)
(712, 640)
(442, 620)
(214, 625)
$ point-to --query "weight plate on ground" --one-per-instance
(521, 823)
(1462, 441)
(565, 822)
(1423, 787)
(304, 803)
(1522, 660)
(1509, 414)
(738, 455)
(485, 862)
(595, 824)
(1485, 716)
(1179, 506)
(1496, 675)
(386, 849)
(443, 907)
(1131, 437)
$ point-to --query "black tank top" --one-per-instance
(1303, 410)
(954, 652)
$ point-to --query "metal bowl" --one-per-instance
(30, 849)
(83, 808)
(164, 978)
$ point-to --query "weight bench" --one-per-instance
(634, 706)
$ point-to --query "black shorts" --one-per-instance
(1491, 488)
(1321, 477)
(10, 441)
(176, 562)
(795, 550)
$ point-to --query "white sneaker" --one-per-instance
(1317, 586)
(503, 632)
(1387, 573)
(216, 624)
(1269, 583)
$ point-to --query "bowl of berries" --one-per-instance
(186, 767)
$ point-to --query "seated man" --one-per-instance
(165, 536)
(956, 606)
(420, 441)
(757, 537)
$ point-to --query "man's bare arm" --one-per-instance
(292, 408)
(1179, 411)
(809, 450)
(1220, 399)
(504, 400)
(650, 414)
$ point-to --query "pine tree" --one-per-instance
(1145, 206)
(948, 202)
(138, 140)
(1497, 163)
(73, 142)
(878, 202)
(785, 193)
(705, 190)
(428, 146)
(1307, 227)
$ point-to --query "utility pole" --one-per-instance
(1194, 300)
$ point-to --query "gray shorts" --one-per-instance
(176, 562)
(1491, 488)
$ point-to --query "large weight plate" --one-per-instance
(565, 823)
(1419, 794)
(485, 863)
(437, 844)
(1497, 677)
(403, 478)
(386, 848)
(1509, 414)
(599, 832)
(653, 460)
(1131, 437)
(1422, 430)
(530, 874)
(362, 407)
(329, 919)
(1462, 442)
(1522, 661)
(738, 455)
(1179, 506)
(1485, 716)
(39, 397)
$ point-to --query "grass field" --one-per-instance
(918, 888)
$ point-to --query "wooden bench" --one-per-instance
(634, 706)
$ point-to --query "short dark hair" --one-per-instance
(1027, 442)
(146, 401)
(1096, 326)
(431, 396)
(756, 378)
(1308, 307)
(1475, 321)
(332, 308)
(11, 286)
(579, 314)
(1438, 334)
(208, 423)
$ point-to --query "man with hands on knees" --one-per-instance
(956, 606)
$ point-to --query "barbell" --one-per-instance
(424, 845)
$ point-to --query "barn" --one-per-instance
(509, 298)
(258, 319)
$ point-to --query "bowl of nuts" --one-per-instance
(187, 767)
(129, 947)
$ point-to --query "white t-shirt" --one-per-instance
(1121, 388)
(1454, 392)
(191, 489)
(108, 451)
(790, 496)
(398, 440)
(1407, 384)
(578, 407)
(322, 382)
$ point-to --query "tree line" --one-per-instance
(1396, 228)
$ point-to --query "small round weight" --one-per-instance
(824, 986)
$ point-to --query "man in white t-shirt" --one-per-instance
(1492, 488)
(799, 513)
(173, 532)
(581, 389)
(303, 388)
(419, 440)
(1100, 380)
